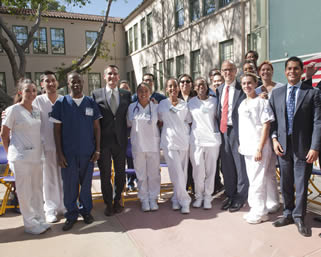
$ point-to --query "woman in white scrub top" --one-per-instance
(255, 116)
(22, 122)
(173, 114)
(205, 141)
(144, 134)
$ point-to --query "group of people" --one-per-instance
(242, 129)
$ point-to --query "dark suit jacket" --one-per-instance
(112, 125)
(239, 96)
(306, 133)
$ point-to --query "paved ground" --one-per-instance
(163, 233)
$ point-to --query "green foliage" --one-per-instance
(52, 5)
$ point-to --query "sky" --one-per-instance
(119, 8)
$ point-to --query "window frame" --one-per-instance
(207, 7)
(135, 31)
(86, 39)
(143, 31)
(38, 39)
(161, 76)
(192, 4)
(4, 82)
(193, 71)
(51, 41)
(22, 26)
(222, 52)
(90, 89)
(179, 58)
(179, 10)
(130, 39)
(149, 26)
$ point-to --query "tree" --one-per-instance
(18, 65)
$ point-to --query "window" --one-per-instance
(57, 41)
(180, 65)
(149, 29)
(161, 76)
(93, 82)
(90, 38)
(143, 31)
(224, 2)
(252, 42)
(130, 36)
(195, 64)
(155, 76)
(179, 13)
(170, 67)
(127, 47)
(226, 51)
(195, 13)
(133, 81)
(40, 45)
(144, 70)
(1, 49)
(3, 84)
(136, 36)
(28, 75)
(37, 80)
(21, 33)
(128, 79)
(209, 6)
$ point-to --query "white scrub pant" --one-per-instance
(204, 161)
(28, 176)
(52, 185)
(147, 167)
(256, 172)
(177, 162)
(273, 197)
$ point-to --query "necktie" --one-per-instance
(290, 108)
(223, 125)
(113, 102)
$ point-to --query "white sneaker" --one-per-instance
(51, 218)
(256, 220)
(145, 206)
(197, 203)
(207, 205)
(175, 206)
(185, 209)
(36, 230)
(246, 215)
(153, 205)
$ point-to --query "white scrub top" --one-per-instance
(253, 113)
(204, 130)
(25, 142)
(144, 133)
(175, 131)
(43, 103)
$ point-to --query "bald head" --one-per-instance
(228, 71)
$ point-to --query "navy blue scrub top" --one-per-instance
(77, 124)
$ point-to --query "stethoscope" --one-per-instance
(150, 111)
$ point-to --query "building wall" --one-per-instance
(75, 45)
(204, 34)
(294, 30)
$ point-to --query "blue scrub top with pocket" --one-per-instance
(77, 124)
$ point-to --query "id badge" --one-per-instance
(205, 109)
(173, 109)
(89, 111)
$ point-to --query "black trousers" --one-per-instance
(118, 154)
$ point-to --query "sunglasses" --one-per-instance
(183, 81)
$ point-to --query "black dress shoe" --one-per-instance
(302, 228)
(283, 221)
(88, 218)
(226, 204)
(235, 207)
(109, 210)
(68, 224)
(318, 219)
(117, 207)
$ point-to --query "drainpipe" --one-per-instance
(243, 29)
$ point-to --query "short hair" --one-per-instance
(124, 81)
(169, 79)
(230, 62)
(148, 74)
(256, 55)
(249, 62)
(112, 66)
(205, 83)
(263, 63)
(143, 84)
(185, 75)
(294, 59)
(46, 73)
(73, 73)
(250, 74)
(213, 71)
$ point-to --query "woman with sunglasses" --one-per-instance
(144, 134)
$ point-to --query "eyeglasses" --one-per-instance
(183, 81)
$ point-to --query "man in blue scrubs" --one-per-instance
(77, 137)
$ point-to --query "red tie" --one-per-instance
(223, 126)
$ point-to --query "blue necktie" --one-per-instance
(290, 107)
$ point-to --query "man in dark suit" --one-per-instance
(296, 136)
(113, 104)
(230, 96)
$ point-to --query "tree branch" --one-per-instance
(34, 28)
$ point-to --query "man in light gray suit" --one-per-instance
(296, 136)
(230, 95)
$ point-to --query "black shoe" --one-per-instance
(226, 204)
(318, 219)
(283, 221)
(68, 224)
(88, 218)
(302, 228)
(117, 207)
(109, 210)
(235, 207)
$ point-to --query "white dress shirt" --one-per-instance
(230, 101)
